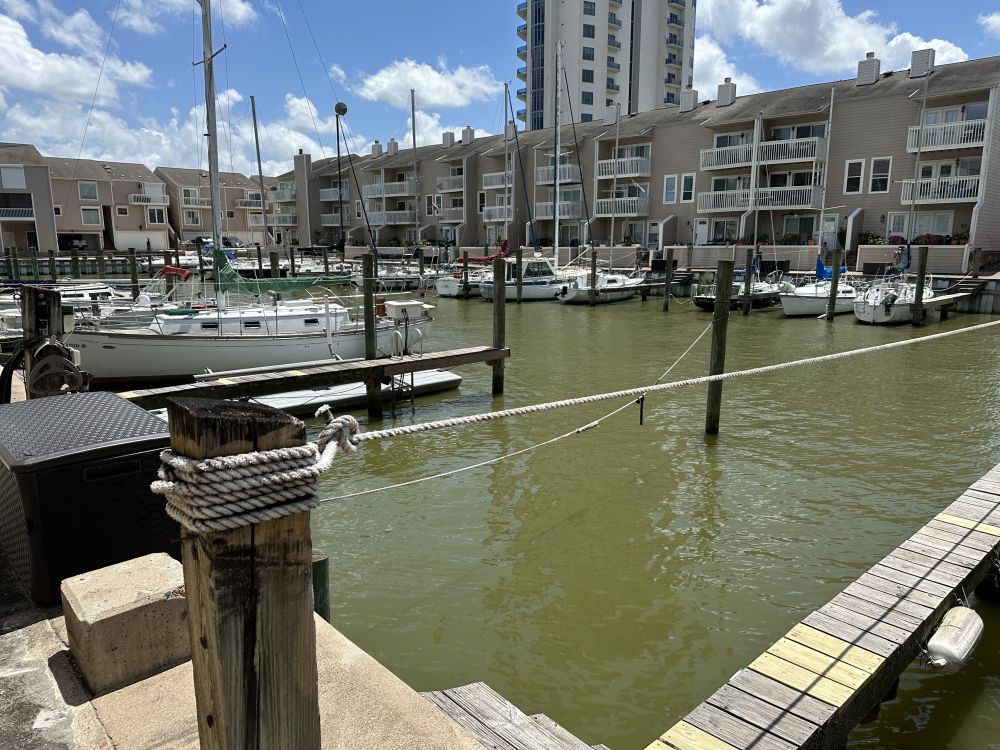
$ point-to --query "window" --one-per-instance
(881, 168)
(724, 230)
(854, 173)
(88, 191)
(586, 97)
(586, 117)
(91, 216)
(725, 184)
(588, 75)
(481, 200)
(976, 110)
(456, 171)
(722, 140)
(12, 177)
(429, 205)
(589, 8)
(588, 31)
(252, 196)
(251, 324)
(687, 188)
(121, 210)
(670, 188)
(800, 228)
(357, 209)
(588, 53)
(230, 214)
(192, 218)
(816, 130)
(57, 210)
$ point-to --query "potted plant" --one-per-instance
(960, 238)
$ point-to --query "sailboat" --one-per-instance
(813, 298)
(179, 344)
(888, 300)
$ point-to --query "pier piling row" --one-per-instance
(832, 670)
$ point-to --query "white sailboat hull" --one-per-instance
(529, 291)
(812, 299)
(887, 304)
(449, 286)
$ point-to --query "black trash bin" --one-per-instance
(74, 487)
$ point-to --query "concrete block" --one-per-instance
(127, 621)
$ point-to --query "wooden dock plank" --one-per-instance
(891, 602)
(918, 582)
(903, 591)
(684, 736)
(789, 700)
(762, 714)
(974, 540)
(975, 510)
(953, 553)
(920, 568)
(864, 622)
(819, 663)
(931, 561)
(734, 731)
(877, 611)
(793, 675)
(854, 635)
(984, 495)
(836, 647)
(983, 528)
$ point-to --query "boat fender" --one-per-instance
(890, 300)
(955, 639)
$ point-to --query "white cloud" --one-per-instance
(991, 23)
(337, 73)
(76, 31)
(816, 36)
(713, 66)
(430, 129)
(435, 87)
(20, 9)
(23, 66)
(144, 15)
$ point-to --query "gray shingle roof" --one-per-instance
(61, 167)
(20, 153)
(183, 177)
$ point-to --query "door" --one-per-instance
(491, 235)
(701, 231)
(828, 233)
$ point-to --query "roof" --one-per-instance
(65, 168)
(20, 153)
(183, 177)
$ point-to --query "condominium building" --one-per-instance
(637, 54)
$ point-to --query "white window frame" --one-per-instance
(357, 209)
(230, 214)
(12, 177)
(83, 214)
(694, 180)
(481, 200)
(79, 190)
(160, 216)
(666, 178)
(56, 209)
(190, 192)
(861, 177)
(121, 210)
(888, 176)
(192, 212)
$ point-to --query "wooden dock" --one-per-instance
(833, 669)
(314, 376)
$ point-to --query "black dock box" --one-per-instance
(74, 487)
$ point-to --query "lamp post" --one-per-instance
(340, 109)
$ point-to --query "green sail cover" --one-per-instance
(228, 280)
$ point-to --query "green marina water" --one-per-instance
(615, 579)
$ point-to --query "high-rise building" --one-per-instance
(636, 53)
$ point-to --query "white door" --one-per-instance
(700, 231)
(828, 234)
(491, 235)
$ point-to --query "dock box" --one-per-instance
(74, 488)
(400, 310)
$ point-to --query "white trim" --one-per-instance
(861, 177)
(665, 178)
(81, 183)
(694, 181)
(57, 209)
(97, 209)
(121, 210)
(888, 176)
(162, 215)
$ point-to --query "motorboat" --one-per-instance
(610, 287)
(82, 294)
(452, 286)
(763, 294)
(539, 280)
(888, 301)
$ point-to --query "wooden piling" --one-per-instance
(720, 324)
(499, 321)
(669, 279)
(10, 262)
(260, 261)
(74, 259)
(918, 313)
(465, 274)
(249, 596)
(747, 283)
(275, 265)
(201, 262)
(291, 262)
(373, 387)
(977, 261)
(831, 305)
(321, 584)
(592, 294)
(326, 260)
(36, 273)
(518, 272)
(133, 271)
(102, 264)
(53, 272)
(168, 279)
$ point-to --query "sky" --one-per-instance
(115, 80)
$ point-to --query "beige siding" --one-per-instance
(987, 228)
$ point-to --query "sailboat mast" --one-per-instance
(614, 178)
(508, 173)
(416, 184)
(211, 123)
(558, 113)
(260, 170)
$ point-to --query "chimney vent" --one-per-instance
(689, 98)
(376, 149)
(869, 70)
(447, 139)
(509, 131)
(921, 63)
(727, 93)
(392, 147)
(468, 136)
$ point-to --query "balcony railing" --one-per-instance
(286, 195)
(622, 207)
(727, 156)
(673, 60)
(612, 86)
(949, 135)
(522, 51)
(496, 180)
(522, 114)
(612, 65)
(148, 199)
(451, 215)
(942, 190)
(613, 20)
(522, 93)
(522, 9)
(451, 184)
(796, 149)
(333, 195)
(672, 80)
(249, 203)
(670, 98)
(191, 202)
(522, 72)
(567, 210)
(256, 220)
(807, 196)
(674, 41)
(391, 218)
(283, 220)
(568, 173)
(498, 213)
(632, 166)
(17, 214)
(332, 220)
(389, 189)
(612, 42)
(675, 21)
(522, 30)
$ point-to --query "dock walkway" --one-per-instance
(833, 669)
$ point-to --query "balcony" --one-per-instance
(522, 94)
(807, 196)
(671, 80)
(332, 220)
(497, 180)
(248, 203)
(727, 157)
(631, 166)
(333, 195)
(148, 199)
(949, 135)
(678, 3)
(674, 41)
(673, 60)
(190, 202)
(622, 207)
(614, 43)
(390, 189)
(670, 98)
(612, 87)
(613, 20)
(522, 51)
(451, 184)
(522, 30)
(796, 149)
(567, 210)
(286, 195)
(452, 215)
(392, 218)
(522, 10)
(675, 21)
(522, 114)
(17, 214)
(942, 190)
(522, 72)
(283, 220)
(256, 220)
(493, 214)
(568, 173)
(612, 65)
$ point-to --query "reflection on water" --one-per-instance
(615, 579)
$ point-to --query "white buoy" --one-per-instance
(955, 639)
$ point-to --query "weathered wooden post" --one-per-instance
(747, 283)
(668, 279)
(275, 267)
(373, 386)
(53, 271)
(133, 271)
(10, 258)
(168, 278)
(291, 262)
(720, 324)
(977, 261)
(420, 262)
(260, 261)
(831, 305)
(326, 260)
(201, 261)
(249, 596)
(177, 256)
(102, 264)
(918, 313)
(519, 272)
(499, 321)
(321, 584)
(74, 259)
(36, 273)
(465, 274)
(592, 294)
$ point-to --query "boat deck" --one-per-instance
(833, 669)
